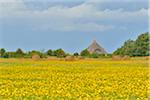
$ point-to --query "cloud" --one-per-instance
(97, 1)
(86, 17)
(12, 4)
(79, 27)
(9, 7)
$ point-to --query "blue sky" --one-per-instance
(70, 24)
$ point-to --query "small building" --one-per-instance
(96, 48)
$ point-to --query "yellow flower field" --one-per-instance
(74, 80)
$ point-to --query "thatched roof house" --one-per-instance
(96, 48)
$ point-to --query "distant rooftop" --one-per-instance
(96, 48)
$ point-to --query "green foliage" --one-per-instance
(49, 52)
(109, 55)
(19, 53)
(139, 47)
(59, 53)
(2, 52)
(76, 54)
(85, 53)
(6, 55)
(94, 55)
(127, 49)
(142, 45)
(11, 54)
(34, 52)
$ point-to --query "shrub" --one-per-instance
(85, 53)
(59, 53)
(94, 55)
(76, 54)
(49, 52)
(6, 55)
(2, 52)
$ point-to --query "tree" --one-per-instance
(119, 51)
(140, 47)
(76, 54)
(49, 52)
(6, 55)
(59, 53)
(85, 53)
(19, 52)
(43, 54)
(2, 52)
(12, 54)
(129, 48)
(142, 44)
(34, 52)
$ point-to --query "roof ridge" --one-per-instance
(95, 47)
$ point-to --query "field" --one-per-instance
(72, 80)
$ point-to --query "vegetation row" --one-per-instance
(138, 47)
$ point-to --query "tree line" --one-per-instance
(19, 53)
(139, 47)
(60, 53)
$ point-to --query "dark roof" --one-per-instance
(95, 47)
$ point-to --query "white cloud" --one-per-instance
(78, 27)
(84, 17)
(98, 1)
(9, 7)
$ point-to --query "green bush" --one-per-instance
(2, 52)
(6, 55)
(76, 54)
(85, 53)
(49, 52)
(139, 47)
(94, 55)
(59, 53)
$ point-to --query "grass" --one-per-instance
(85, 79)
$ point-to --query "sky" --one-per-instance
(70, 24)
